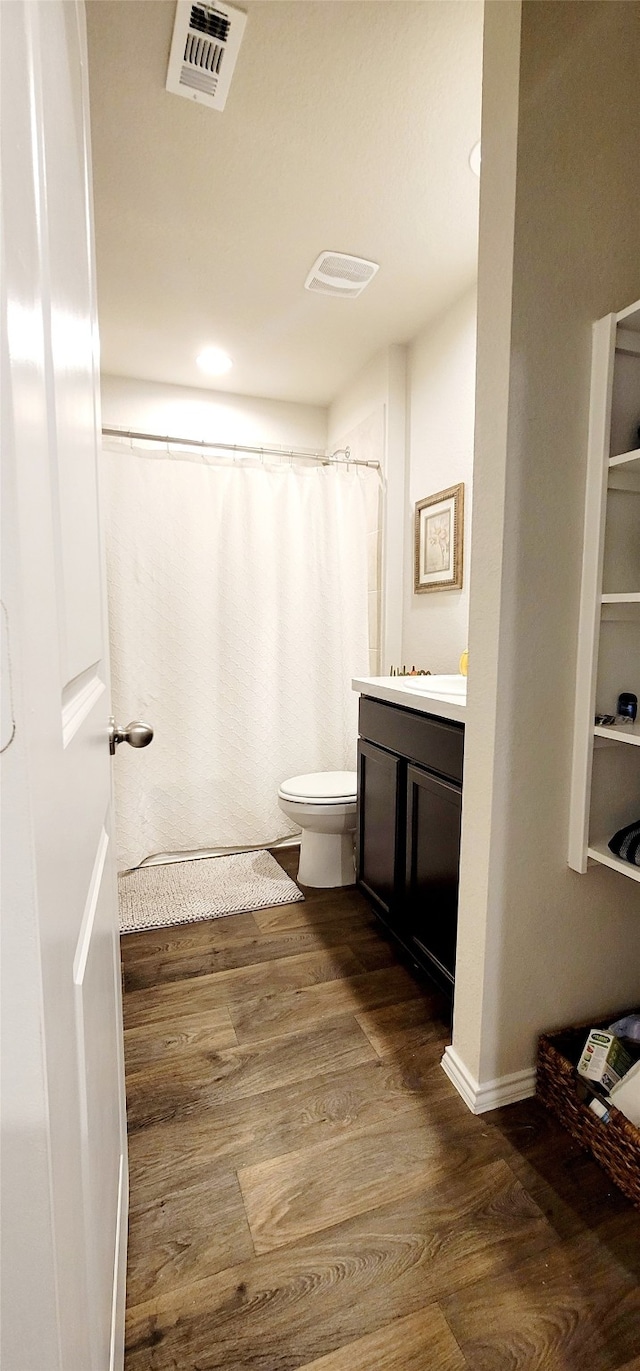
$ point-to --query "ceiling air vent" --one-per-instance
(335, 273)
(204, 49)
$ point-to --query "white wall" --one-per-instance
(194, 413)
(441, 408)
(540, 945)
(369, 416)
(360, 398)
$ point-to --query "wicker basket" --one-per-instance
(616, 1144)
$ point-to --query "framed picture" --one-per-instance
(439, 529)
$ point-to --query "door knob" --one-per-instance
(136, 734)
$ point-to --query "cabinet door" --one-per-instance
(381, 810)
(434, 809)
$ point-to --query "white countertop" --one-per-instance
(444, 696)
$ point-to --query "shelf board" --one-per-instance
(616, 612)
(600, 852)
(631, 597)
(620, 733)
(630, 317)
(629, 460)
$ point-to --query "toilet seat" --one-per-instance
(321, 788)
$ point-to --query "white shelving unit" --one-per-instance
(600, 852)
(605, 785)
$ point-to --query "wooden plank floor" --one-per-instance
(308, 1190)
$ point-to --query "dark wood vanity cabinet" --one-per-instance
(408, 837)
(434, 811)
(381, 797)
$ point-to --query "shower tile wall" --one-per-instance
(366, 442)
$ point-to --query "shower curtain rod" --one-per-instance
(341, 457)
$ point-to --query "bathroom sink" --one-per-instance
(434, 685)
(444, 695)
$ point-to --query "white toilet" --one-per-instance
(323, 805)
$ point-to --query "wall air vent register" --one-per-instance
(204, 50)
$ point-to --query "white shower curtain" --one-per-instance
(238, 615)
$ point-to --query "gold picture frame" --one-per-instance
(438, 541)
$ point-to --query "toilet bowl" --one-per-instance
(323, 805)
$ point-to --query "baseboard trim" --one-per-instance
(493, 1094)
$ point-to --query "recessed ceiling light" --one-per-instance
(214, 361)
(474, 159)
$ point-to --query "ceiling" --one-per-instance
(348, 126)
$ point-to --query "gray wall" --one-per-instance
(559, 247)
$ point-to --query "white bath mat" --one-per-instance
(185, 892)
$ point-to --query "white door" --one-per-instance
(64, 1169)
